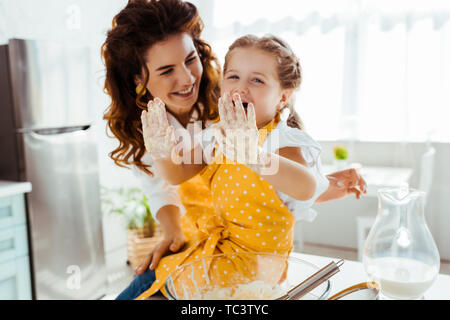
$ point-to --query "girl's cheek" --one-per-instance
(224, 87)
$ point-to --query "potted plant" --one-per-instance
(340, 157)
(143, 233)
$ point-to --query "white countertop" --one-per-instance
(352, 272)
(10, 188)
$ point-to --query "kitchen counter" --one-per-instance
(352, 272)
(15, 275)
(10, 188)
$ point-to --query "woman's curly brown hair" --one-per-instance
(135, 29)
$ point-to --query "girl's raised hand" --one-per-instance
(237, 132)
(159, 136)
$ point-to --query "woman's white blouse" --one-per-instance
(160, 193)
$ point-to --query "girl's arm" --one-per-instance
(291, 176)
(238, 138)
(176, 173)
(160, 142)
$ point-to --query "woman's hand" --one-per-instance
(174, 240)
(343, 183)
(237, 133)
(159, 136)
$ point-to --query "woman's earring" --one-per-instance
(140, 90)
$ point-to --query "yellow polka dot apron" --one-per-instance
(237, 211)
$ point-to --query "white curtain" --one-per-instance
(373, 70)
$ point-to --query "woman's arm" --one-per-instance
(174, 239)
(166, 206)
(343, 183)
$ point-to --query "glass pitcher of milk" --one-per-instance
(400, 253)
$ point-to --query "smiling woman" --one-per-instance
(157, 45)
(161, 76)
(154, 50)
(175, 74)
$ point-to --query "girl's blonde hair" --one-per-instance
(288, 69)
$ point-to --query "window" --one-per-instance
(373, 70)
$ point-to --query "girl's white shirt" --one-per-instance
(161, 193)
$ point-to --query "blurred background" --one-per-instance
(376, 80)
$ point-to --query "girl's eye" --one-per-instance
(191, 59)
(258, 80)
(233, 77)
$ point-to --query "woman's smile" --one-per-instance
(186, 93)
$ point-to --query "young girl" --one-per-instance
(254, 209)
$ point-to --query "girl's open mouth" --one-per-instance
(244, 104)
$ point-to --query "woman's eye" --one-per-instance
(166, 72)
(232, 77)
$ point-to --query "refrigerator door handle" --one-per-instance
(45, 134)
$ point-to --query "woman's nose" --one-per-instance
(186, 78)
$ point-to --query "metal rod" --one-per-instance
(313, 281)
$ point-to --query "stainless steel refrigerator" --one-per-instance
(48, 139)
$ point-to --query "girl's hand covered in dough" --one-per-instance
(159, 136)
(237, 133)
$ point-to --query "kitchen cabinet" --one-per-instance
(15, 277)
